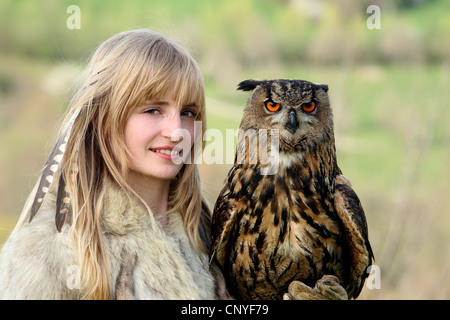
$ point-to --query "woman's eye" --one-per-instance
(189, 113)
(152, 111)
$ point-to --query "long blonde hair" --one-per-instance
(124, 71)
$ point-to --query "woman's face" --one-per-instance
(153, 133)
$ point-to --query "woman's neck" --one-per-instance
(154, 192)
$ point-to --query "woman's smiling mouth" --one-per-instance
(166, 152)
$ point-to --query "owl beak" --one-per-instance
(292, 124)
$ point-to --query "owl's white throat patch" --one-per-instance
(286, 159)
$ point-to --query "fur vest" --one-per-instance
(38, 262)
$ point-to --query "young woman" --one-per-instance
(130, 219)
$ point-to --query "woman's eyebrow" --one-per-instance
(162, 103)
(156, 102)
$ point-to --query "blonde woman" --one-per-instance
(114, 215)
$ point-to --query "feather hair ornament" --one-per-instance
(48, 175)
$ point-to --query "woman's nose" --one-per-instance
(171, 127)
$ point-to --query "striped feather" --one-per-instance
(48, 175)
(62, 203)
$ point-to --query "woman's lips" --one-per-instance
(166, 152)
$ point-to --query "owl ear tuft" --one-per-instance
(324, 87)
(248, 85)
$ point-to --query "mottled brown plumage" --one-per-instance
(301, 220)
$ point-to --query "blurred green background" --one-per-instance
(388, 87)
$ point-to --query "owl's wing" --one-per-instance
(223, 222)
(351, 213)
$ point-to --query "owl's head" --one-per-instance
(299, 109)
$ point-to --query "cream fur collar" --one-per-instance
(167, 267)
(37, 262)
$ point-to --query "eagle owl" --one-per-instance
(300, 222)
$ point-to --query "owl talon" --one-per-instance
(329, 287)
(299, 291)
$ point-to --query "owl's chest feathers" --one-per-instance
(288, 220)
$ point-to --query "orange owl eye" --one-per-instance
(272, 106)
(309, 107)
